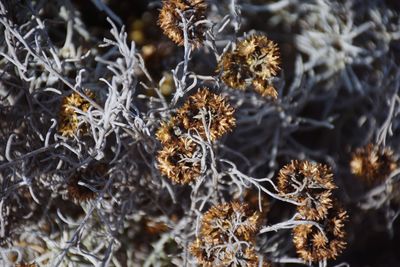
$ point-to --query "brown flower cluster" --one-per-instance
(215, 109)
(308, 183)
(68, 117)
(179, 157)
(311, 184)
(227, 236)
(373, 163)
(313, 245)
(170, 20)
(177, 160)
(254, 61)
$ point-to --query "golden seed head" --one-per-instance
(216, 110)
(314, 175)
(373, 163)
(312, 245)
(308, 183)
(170, 20)
(68, 117)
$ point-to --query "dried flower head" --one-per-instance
(68, 117)
(180, 161)
(168, 132)
(308, 183)
(261, 54)
(235, 71)
(254, 61)
(218, 114)
(373, 163)
(233, 217)
(91, 175)
(170, 20)
(226, 236)
(313, 245)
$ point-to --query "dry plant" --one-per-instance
(199, 133)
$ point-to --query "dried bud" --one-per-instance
(68, 117)
(217, 112)
(373, 163)
(171, 23)
(312, 245)
(308, 183)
